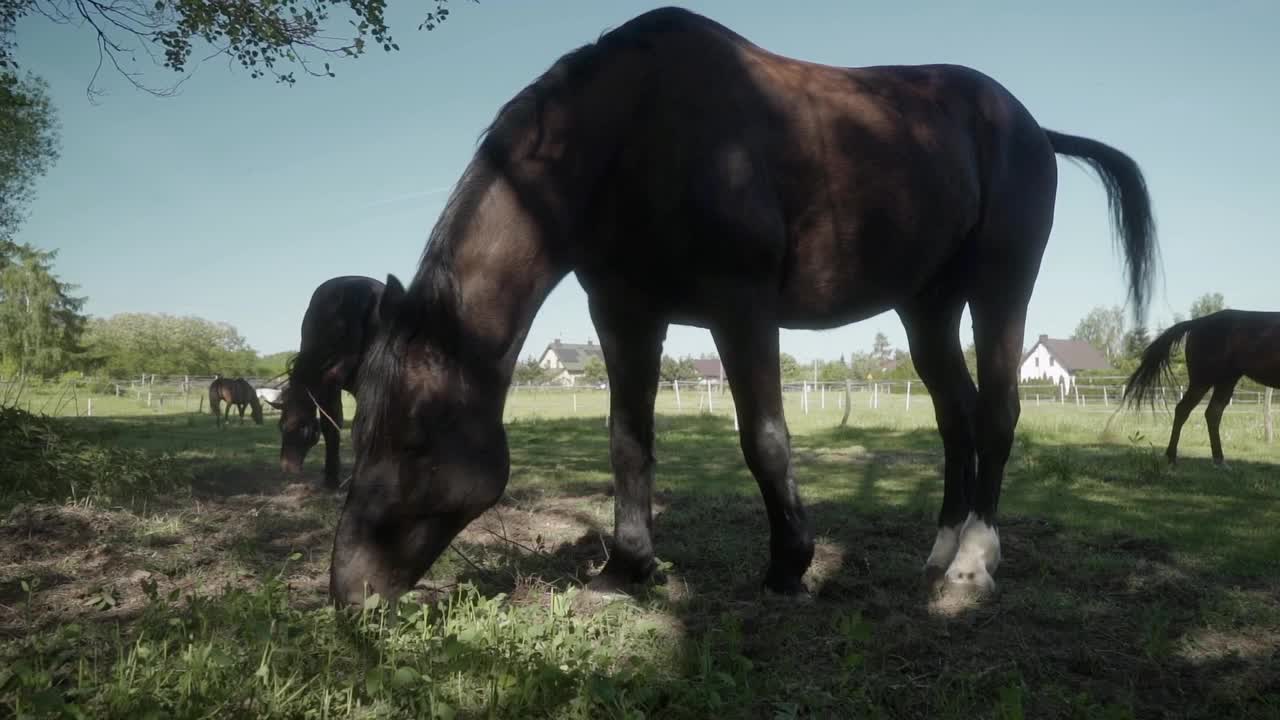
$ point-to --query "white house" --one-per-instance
(567, 361)
(1059, 361)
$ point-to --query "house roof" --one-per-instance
(1073, 355)
(574, 356)
(709, 368)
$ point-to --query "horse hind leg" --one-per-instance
(1213, 417)
(1190, 399)
(998, 328)
(934, 341)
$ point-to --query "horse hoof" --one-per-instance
(608, 586)
(972, 584)
(786, 586)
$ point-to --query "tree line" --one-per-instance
(881, 362)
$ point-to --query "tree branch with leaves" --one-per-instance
(273, 38)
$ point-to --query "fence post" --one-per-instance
(89, 409)
(908, 396)
(1105, 402)
(575, 402)
(148, 398)
(676, 384)
(875, 395)
(804, 397)
(1266, 417)
(848, 402)
(823, 389)
(711, 405)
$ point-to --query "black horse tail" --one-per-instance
(1155, 365)
(1130, 206)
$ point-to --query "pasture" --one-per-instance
(154, 566)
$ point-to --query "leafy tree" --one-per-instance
(904, 368)
(790, 369)
(971, 358)
(530, 372)
(265, 38)
(40, 321)
(834, 371)
(881, 350)
(1207, 304)
(863, 366)
(28, 144)
(1103, 328)
(1135, 342)
(682, 369)
(594, 371)
(273, 364)
(134, 343)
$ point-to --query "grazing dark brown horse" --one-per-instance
(688, 176)
(1221, 348)
(336, 329)
(236, 392)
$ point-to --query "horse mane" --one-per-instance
(432, 299)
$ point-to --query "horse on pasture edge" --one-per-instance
(1221, 348)
(686, 175)
(336, 328)
(236, 392)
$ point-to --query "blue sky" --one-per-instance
(291, 186)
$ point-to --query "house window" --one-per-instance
(1051, 362)
(1037, 362)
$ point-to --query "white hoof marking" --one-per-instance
(945, 546)
(976, 561)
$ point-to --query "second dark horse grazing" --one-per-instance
(236, 392)
(689, 176)
(1221, 348)
(336, 329)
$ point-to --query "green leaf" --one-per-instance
(404, 677)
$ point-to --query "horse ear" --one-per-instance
(391, 298)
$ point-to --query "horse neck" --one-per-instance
(502, 266)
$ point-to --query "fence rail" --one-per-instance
(167, 393)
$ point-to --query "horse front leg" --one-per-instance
(331, 422)
(748, 346)
(632, 349)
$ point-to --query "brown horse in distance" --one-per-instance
(686, 175)
(236, 392)
(1221, 348)
(336, 328)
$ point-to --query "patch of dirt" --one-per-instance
(242, 526)
(1116, 617)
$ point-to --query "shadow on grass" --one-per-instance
(1115, 601)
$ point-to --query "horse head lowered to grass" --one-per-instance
(336, 329)
(686, 175)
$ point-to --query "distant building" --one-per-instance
(565, 362)
(710, 371)
(1060, 361)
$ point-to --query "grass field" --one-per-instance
(153, 566)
